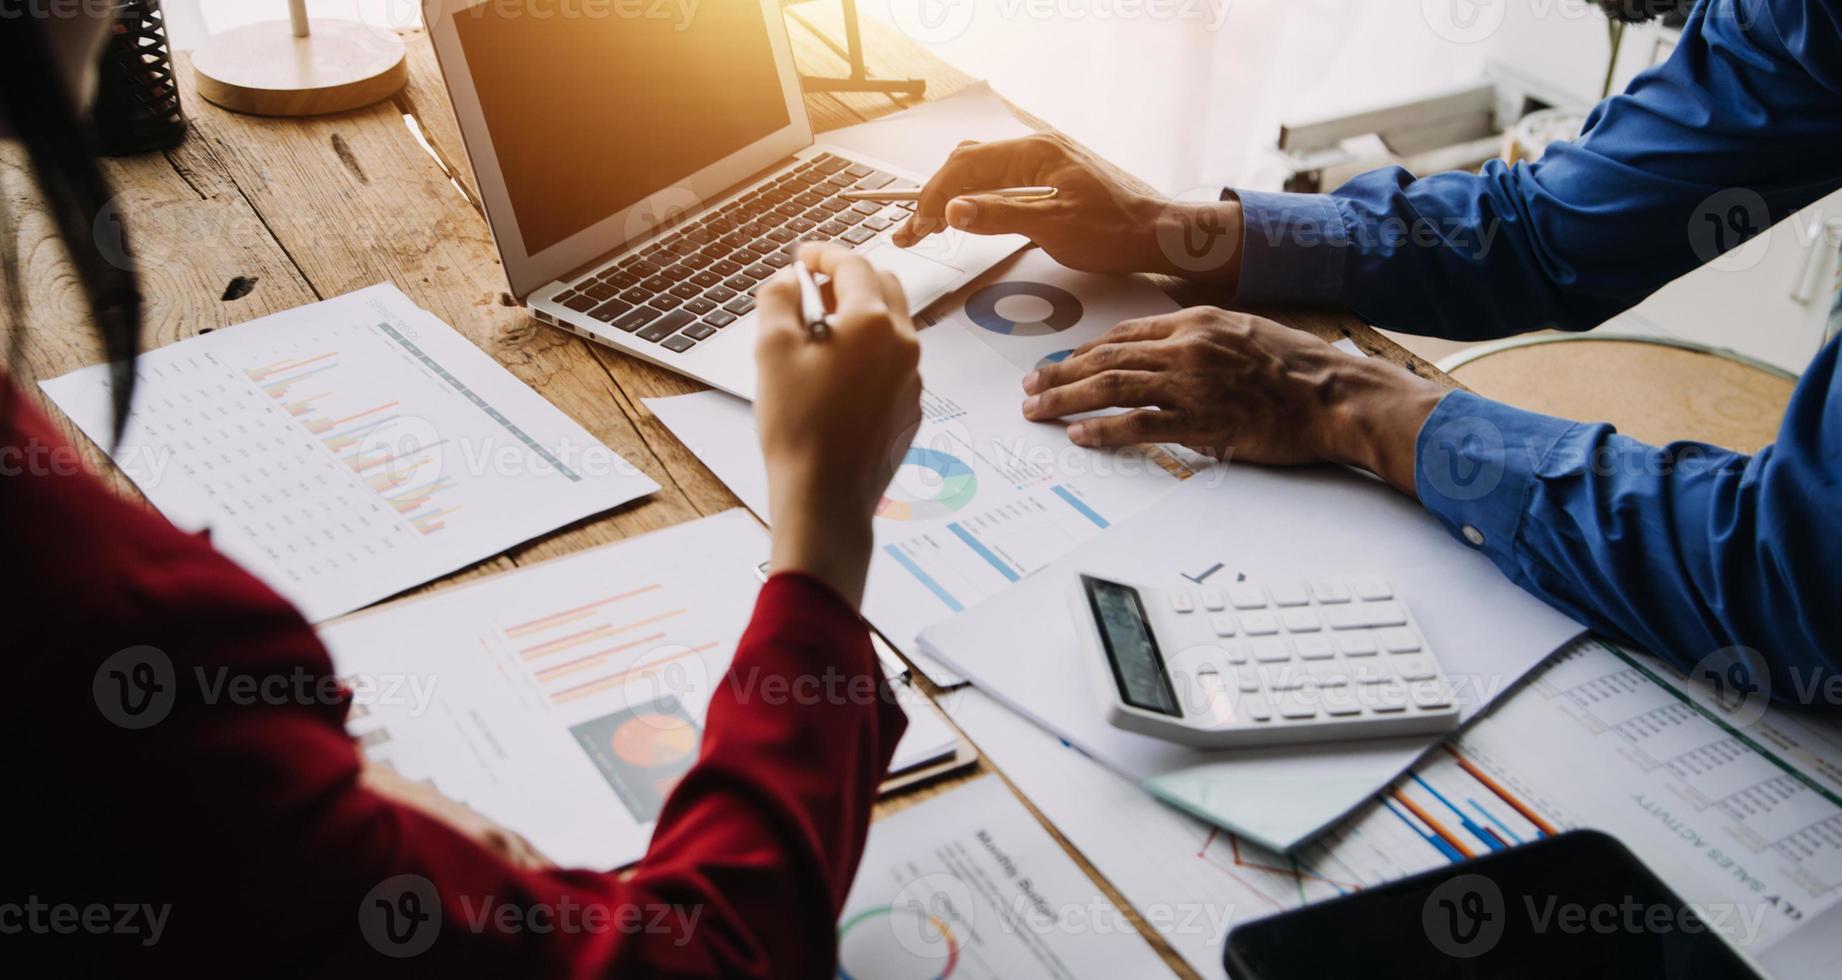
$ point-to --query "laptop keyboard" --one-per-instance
(703, 277)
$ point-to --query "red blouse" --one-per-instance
(151, 830)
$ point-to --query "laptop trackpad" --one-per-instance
(923, 279)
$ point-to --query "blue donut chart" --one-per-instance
(1064, 312)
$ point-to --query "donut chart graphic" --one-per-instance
(654, 740)
(1064, 308)
(952, 482)
(947, 963)
(1054, 357)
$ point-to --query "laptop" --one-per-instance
(644, 167)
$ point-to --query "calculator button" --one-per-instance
(1329, 673)
(1259, 623)
(1357, 644)
(1400, 639)
(1314, 647)
(1213, 600)
(1288, 593)
(1330, 591)
(1272, 650)
(1416, 669)
(1181, 601)
(1293, 706)
(1431, 695)
(1247, 595)
(1284, 677)
(1256, 707)
(1222, 624)
(1363, 615)
(1247, 679)
(1370, 587)
(1340, 702)
(1300, 620)
(1235, 653)
(1384, 699)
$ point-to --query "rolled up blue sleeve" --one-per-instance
(1705, 557)
(1738, 129)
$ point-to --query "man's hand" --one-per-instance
(836, 414)
(1235, 385)
(1096, 222)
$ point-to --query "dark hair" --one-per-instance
(61, 149)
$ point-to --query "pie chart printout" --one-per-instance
(1024, 309)
(929, 484)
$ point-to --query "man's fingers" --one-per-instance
(1150, 355)
(1108, 389)
(1127, 331)
(1132, 428)
(971, 167)
(988, 214)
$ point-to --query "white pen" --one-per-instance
(811, 303)
(893, 195)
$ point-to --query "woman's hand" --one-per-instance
(836, 414)
(464, 820)
(1096, 222)
(1231, 384)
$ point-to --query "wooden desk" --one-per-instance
(251, 216)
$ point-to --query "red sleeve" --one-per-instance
(231, 835)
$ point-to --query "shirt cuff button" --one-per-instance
(1473, 535)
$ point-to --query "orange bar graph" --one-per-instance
(258, 374)
(577, 639)
(1528, 812)
(602, 684)
(318, 426)
(570, 615)
(583, 663)
(1426, 818)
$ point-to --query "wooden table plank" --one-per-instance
(306, 209)
(354, 199)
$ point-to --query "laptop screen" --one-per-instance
(593, 106)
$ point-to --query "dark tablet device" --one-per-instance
(1574, 905)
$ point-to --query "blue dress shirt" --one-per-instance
(1719, 562)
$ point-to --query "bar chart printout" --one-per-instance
(351, 449)
(565, 699)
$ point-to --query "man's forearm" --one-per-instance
(1374, 413)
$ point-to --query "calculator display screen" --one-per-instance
(1138, 666)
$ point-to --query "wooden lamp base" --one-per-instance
(265, 70)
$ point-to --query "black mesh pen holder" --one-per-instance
(137, 95)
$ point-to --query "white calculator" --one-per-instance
(1270, 662)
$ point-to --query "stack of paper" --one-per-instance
(969, 885)
(349, 450)
(1238, 519)
(982, 498)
